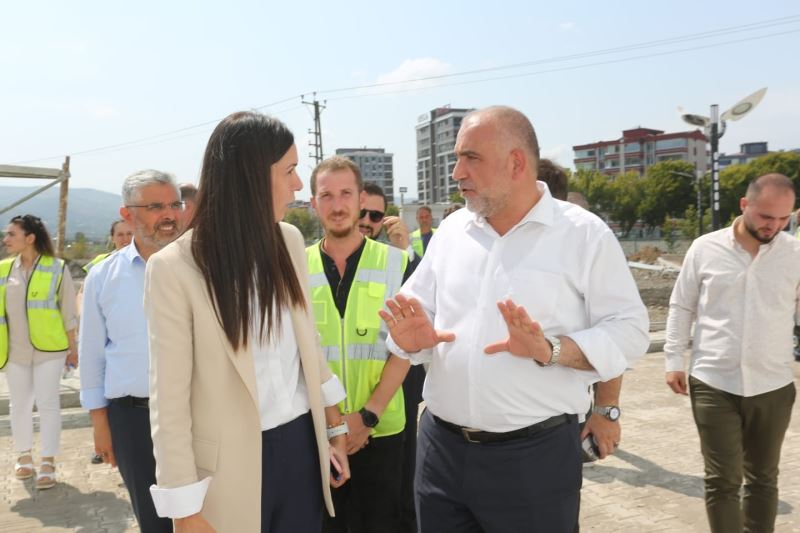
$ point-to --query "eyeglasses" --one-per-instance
(374, 216)
(158, 207)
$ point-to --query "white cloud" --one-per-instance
(567, 25)
(101, 110)
(414, 69)
(560, 154)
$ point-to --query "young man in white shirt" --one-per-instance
(498, 446)
(740, 287)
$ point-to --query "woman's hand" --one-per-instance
(338, 451)
(193, 524)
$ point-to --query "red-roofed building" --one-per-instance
(643, 147)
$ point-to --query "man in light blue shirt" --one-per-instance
(113, 340)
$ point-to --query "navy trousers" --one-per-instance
(522, 485)
(291, 494)
(133, 448)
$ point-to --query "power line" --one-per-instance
(755, 26)
(557, 59)
(561, 69)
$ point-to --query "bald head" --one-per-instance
(780, 183)
(516, 131)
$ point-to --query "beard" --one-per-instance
(486, 206)
(753, 231)
(369, 231)
(157, 238)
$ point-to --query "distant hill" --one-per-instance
(88, 210)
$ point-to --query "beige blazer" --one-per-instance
(203, 399)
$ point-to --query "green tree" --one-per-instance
(305, 221)
(456, 198)
(668, 188)
(595, 187)
(733, 180)
(392, 210)
(669, 229)
(627, 192)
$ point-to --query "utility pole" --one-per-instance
(62, 209)
(317, 143)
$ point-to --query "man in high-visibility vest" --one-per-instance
(351, 277)
(422, 235)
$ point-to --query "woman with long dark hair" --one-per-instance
(240, 393)
(37, 338)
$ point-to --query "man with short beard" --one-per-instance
(351, 276)
(113, 350)
(740, 287)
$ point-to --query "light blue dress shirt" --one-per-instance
(112, 348)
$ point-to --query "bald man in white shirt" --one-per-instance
(520, 303)
(740, 286)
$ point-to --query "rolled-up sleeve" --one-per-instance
(91, 347)
(333, 392)
(170, 334)
(619, 331)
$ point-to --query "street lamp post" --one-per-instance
(714, 128)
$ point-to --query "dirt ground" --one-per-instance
(655, 289)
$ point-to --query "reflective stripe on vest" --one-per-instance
(45, 324)
(355, 347)
(88, 266)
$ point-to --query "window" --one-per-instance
(633, 147)
(670, 144)
(580, 154)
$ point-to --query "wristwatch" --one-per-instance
(555, 344)
(369, 418)
(611, 412)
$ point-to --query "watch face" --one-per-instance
(369, 418)
(613, 413)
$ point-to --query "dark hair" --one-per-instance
(114, 226)
(188, 191)
(237, 244)
(333, 164)
(373, 189)
(555, 178)
(33, 224)
(425, 208)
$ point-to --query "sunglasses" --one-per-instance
(374, 216)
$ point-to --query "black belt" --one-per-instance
(476, 436)
(131, 401)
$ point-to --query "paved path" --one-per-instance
(654, 483)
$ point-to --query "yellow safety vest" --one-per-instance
(88, 266)
(355, 347)
(416, 241)
(45, 326)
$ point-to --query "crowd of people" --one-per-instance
(241, 381)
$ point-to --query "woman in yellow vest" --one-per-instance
(121, 236)
(37, 336)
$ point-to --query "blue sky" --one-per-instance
(75, 76)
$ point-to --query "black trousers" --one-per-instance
(412, 394)
(133, 448)
(522, 485)
(291, 494)
(370, 501)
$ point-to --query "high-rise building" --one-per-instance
(747, 152)
(643, 147)
(436, 140)
(376, 166)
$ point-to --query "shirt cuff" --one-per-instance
(601, 352)
(416, 358)
(180, 502)
(333, 392)
(93, 398)
(411, 253)
(673, 363)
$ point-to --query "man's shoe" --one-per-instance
(97, 459)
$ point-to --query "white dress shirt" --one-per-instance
(282, 397)
(564, 265)
(743, 308)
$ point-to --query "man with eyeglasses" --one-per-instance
(351, 276)
(113, 349)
